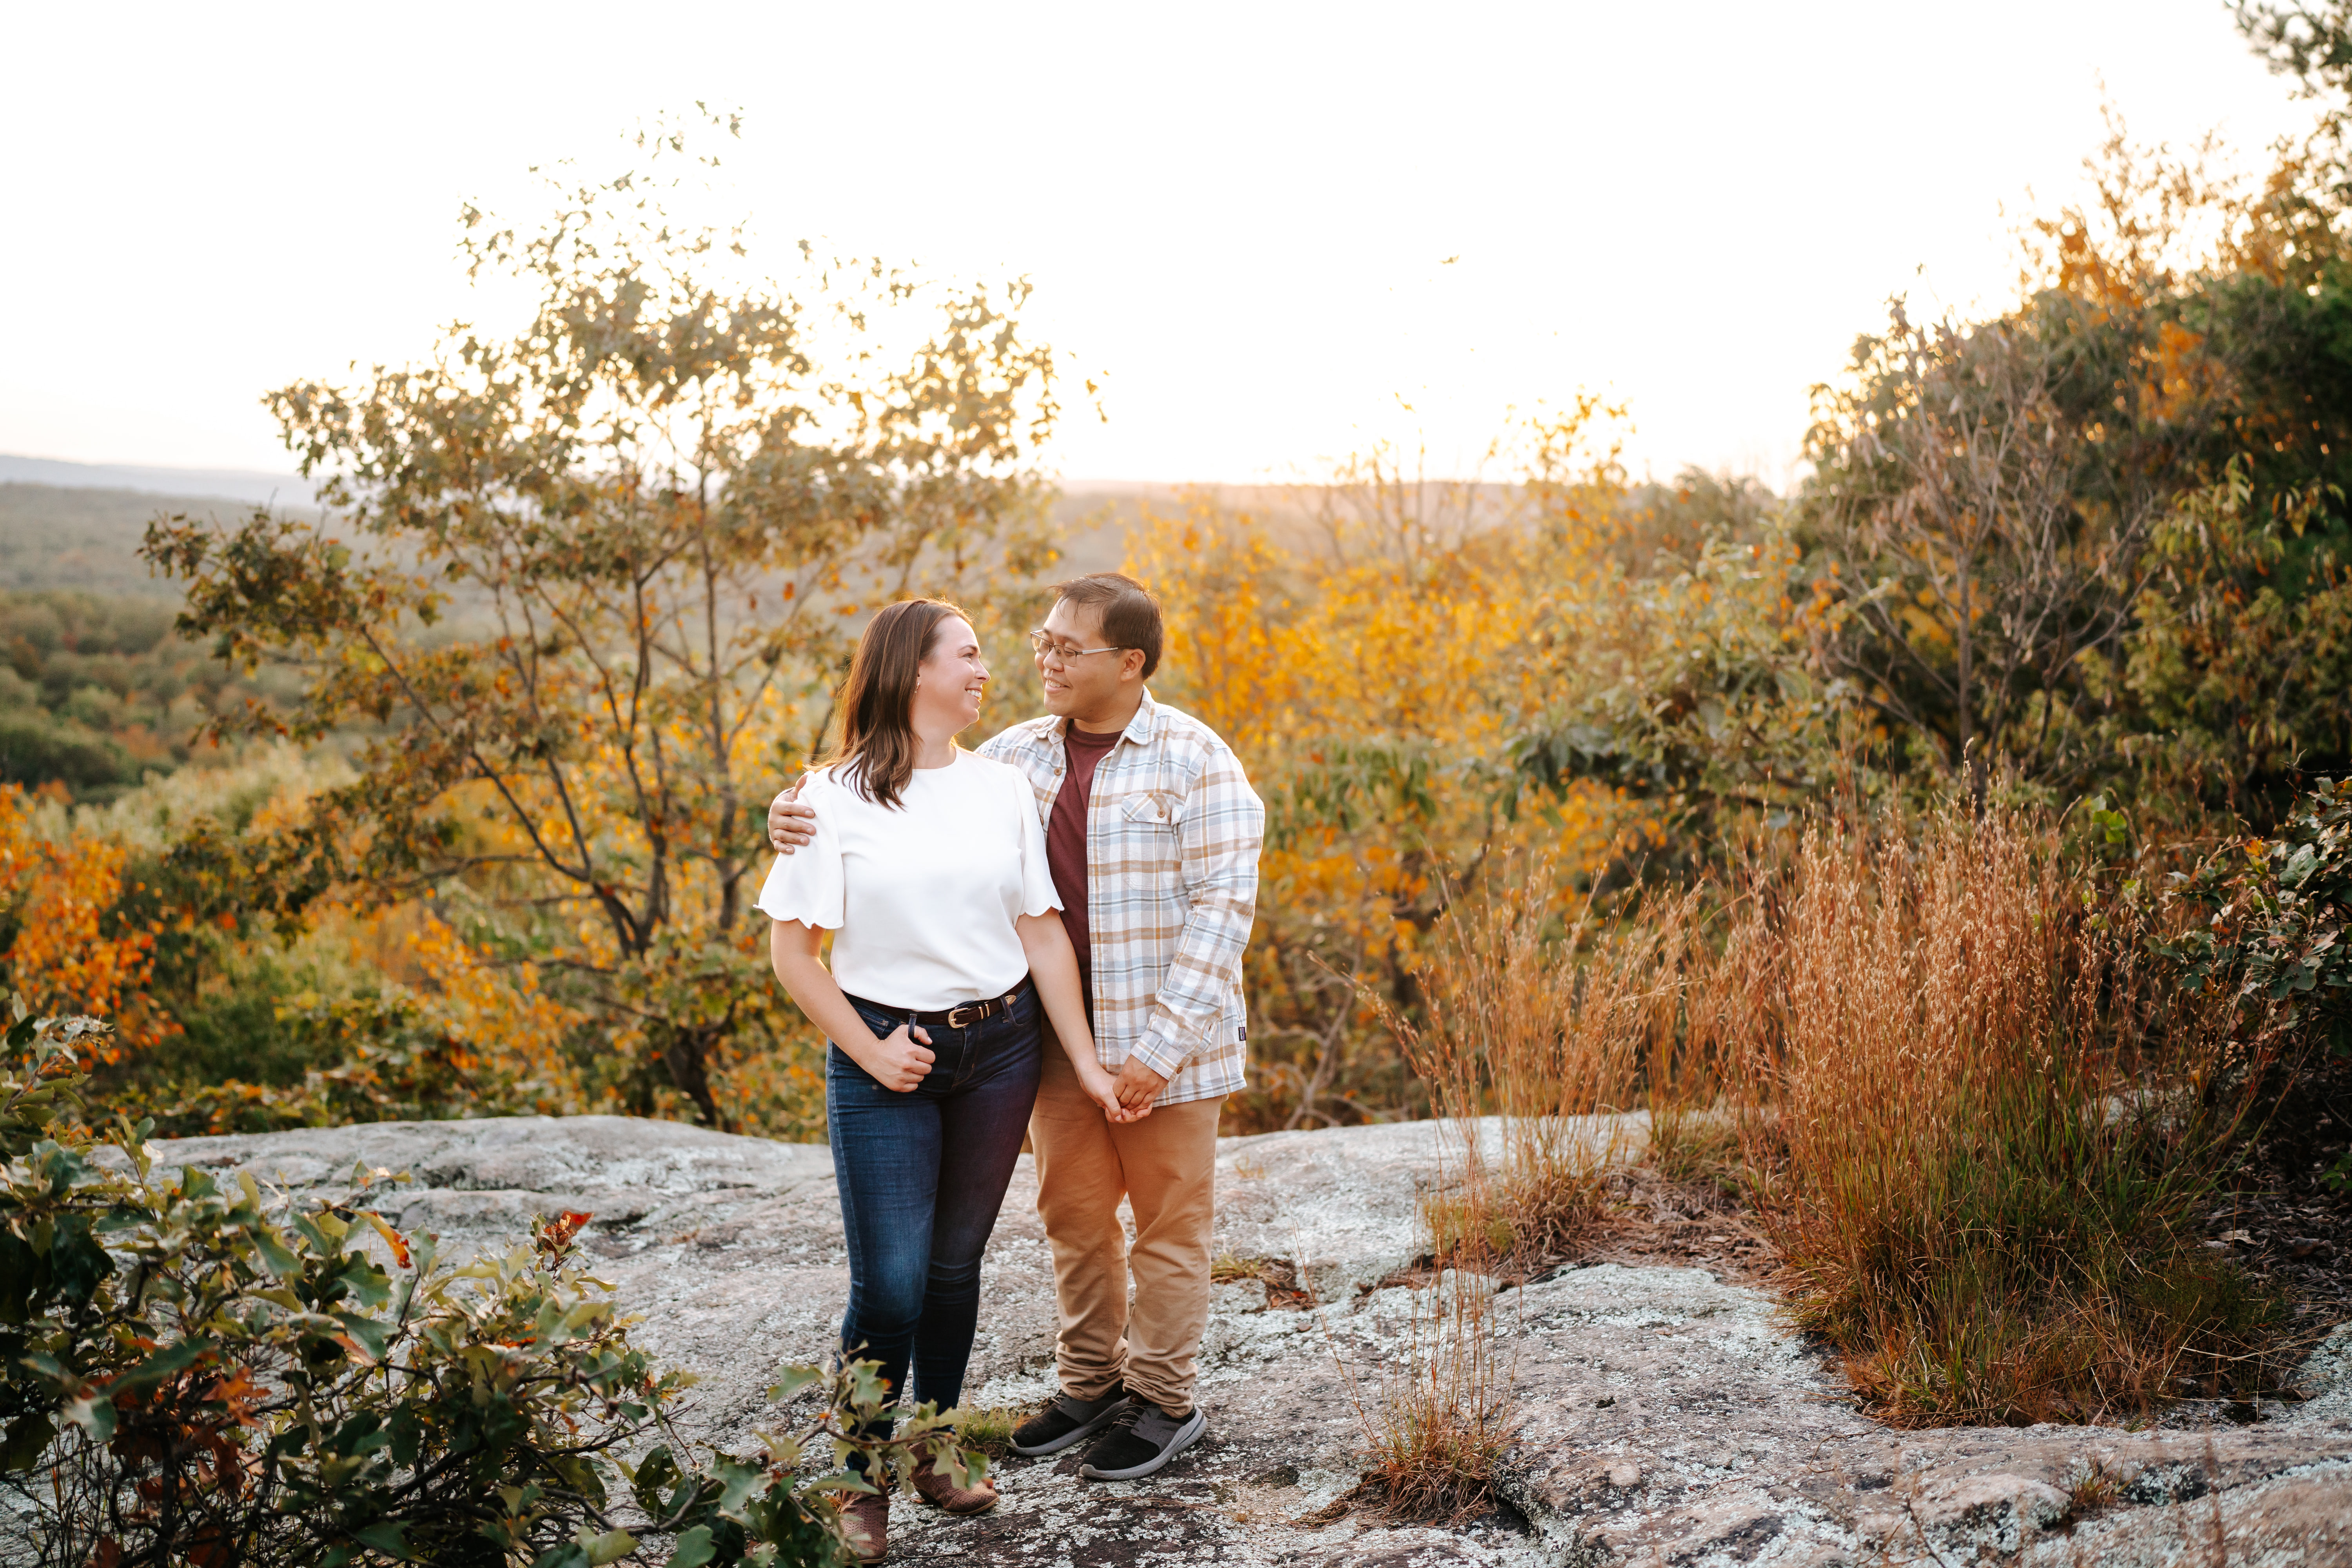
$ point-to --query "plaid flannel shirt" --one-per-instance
(1173, 837)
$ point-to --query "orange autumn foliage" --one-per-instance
(1373, 693)
(514, 1028)
(60, 954)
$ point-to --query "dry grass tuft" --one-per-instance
(1438, 1419)
(2093, 1488)
(1441, 1419)
(1546, 1032)
(1284, 1287)
(1521, 1032)
(1978, 1134)
(1982, 1185)
(1227, 1267)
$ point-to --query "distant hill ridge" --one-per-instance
(57, 536)
(248, 485)
(79, 525)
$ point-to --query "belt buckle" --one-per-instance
(957, 1018)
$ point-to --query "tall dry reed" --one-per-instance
(1534, 1036)
(1705, 996)
(1958, 1137)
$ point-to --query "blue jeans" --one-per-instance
(921, 1176)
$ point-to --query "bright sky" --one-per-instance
(1236, 215)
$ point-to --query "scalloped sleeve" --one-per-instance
(807, 886)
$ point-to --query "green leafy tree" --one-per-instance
(2235, 677)
(1693, 682)
(586, 581)
(2313, 43)
(1982, 515)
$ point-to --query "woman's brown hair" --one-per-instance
(877, 754)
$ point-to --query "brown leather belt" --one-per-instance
(963, 1015)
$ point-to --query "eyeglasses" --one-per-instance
(1048, 648)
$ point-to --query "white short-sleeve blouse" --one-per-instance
(924, 895)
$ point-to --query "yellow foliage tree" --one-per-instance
(1371, 670)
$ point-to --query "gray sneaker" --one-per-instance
(1067, 1421)
(1140, 1441)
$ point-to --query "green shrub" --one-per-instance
(198, 1374)
(2263, 936)
(37, 748)
(2269, 918)
(381, 1059)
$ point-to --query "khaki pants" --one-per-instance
(1165, 1166)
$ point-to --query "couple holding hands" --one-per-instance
(1043, 937)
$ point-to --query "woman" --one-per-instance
(929, 864)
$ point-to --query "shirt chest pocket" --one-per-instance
(1147, 812)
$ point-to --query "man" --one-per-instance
(1152, 836)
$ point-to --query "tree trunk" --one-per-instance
(687, 1058)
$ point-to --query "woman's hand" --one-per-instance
(898, 1062)
(1055, 967)
(1102, 1089)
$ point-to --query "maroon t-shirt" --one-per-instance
(1066, 844)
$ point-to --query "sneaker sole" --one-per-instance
(1187, 1435)
(1074, 1434)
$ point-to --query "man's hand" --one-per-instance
(791, 824)
(1138, 1086)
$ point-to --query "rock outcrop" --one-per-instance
(1663, 1414)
